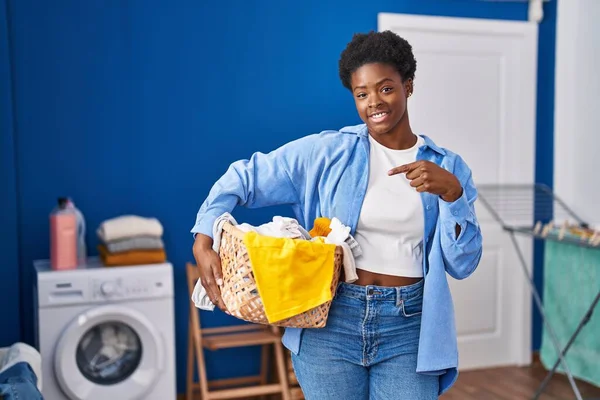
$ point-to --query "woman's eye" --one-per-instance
(361, 95)
(386, 89)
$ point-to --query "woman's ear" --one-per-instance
(408, 87)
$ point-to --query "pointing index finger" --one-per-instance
(403, 168)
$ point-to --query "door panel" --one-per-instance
(475, 95)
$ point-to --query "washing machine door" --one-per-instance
(108, 352)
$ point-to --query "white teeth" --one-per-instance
(378, 115)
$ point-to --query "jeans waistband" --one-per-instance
(381, 293)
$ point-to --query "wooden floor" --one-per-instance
(514, 383)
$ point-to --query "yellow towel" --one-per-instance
(292, 275)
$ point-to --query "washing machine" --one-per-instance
(106, 333)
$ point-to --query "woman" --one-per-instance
(410, 205)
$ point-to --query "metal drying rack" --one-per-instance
(534, 210)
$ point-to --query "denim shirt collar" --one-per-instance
(362, 131)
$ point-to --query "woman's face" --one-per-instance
(380, 96)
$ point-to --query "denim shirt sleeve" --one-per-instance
(263, 180)
(462, 253)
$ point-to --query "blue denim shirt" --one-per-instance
(326, 174)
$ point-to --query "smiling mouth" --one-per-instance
(378, 117)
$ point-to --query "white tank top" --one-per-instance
(391, 223)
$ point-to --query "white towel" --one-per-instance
(339, 231)
(128, 226)
(218, 229)
(199, 295)
(339, 235)
(279, 227)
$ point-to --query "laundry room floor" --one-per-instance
(516, 383)
(506, 383)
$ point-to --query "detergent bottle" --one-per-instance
(63, 236)
(81, 248)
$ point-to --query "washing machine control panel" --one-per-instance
(120, 288)
(95, 283)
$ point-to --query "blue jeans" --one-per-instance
(19, 383)
(368, 350)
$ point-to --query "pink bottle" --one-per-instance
(63, 237)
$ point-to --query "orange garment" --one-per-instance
(133, 257)
(321, 227)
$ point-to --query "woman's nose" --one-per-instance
(374, 102)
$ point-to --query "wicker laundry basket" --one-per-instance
(240, 293)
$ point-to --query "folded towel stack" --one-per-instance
(131, 240)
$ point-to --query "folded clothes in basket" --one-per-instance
(282, 227)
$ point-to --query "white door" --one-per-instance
(109, 352)
(474, 93)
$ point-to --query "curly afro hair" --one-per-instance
(377, 47)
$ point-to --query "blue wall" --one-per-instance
(9, 265)
(137, 107)
(544, 162)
